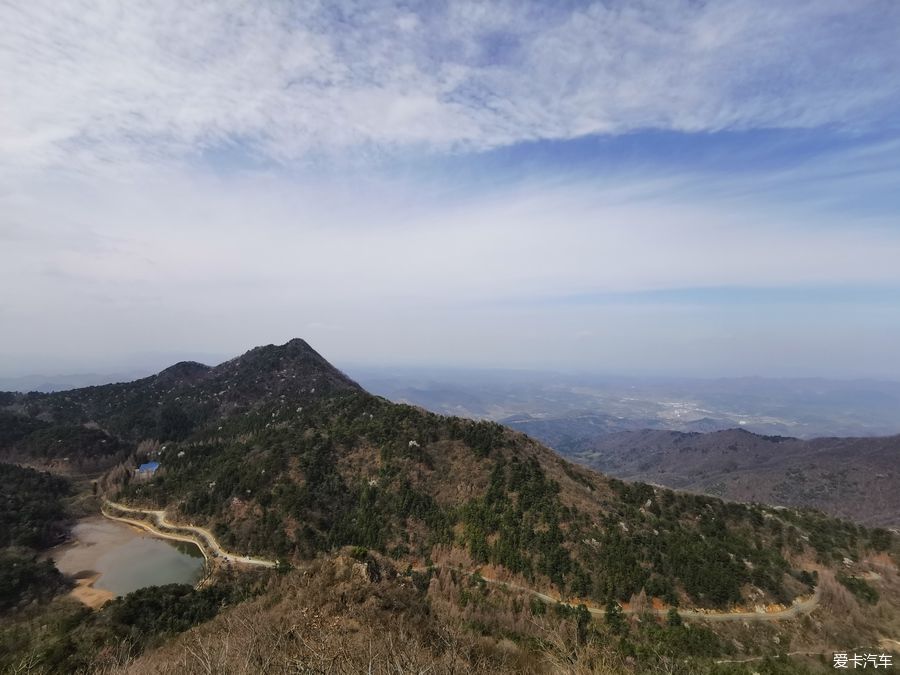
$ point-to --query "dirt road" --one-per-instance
(799, 607)
(199, 535)
(205, 539)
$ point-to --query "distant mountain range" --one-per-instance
(855, 478)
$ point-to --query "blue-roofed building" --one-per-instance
(147, 469)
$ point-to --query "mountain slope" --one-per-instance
(280, 454)
(169, 406)
(856, 478)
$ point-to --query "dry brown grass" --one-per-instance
(330, 619)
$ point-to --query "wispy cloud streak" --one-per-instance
(87, 84)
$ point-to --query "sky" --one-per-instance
(672, 187)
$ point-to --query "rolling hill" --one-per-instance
(854, 478)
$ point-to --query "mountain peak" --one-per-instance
(183, 371)
(297, 343)
(189, 395)
(293, 348)
(293, 362)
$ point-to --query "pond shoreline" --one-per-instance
(108, 557)
(159, 534)
(87, 594)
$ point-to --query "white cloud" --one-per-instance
(175, 261)
(193, 240)
(85, 84)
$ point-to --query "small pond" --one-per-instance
(120, 558)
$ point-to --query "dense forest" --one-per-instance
(32, 518)
(32, 512)
(357, 470)
(63, 636)
(71, 447)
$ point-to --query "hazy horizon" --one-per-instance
(144, 365)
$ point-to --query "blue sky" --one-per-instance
(634, 187)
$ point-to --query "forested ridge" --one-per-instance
(357, 470)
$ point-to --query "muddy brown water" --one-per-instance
(124, 558)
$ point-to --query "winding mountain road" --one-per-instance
(207, 540)
(208, 544)
(799, 607)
